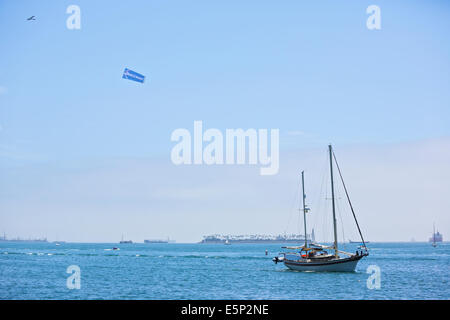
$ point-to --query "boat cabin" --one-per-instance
(308, 253)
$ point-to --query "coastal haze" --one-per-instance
(394, 197)
(85, 155)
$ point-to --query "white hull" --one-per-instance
(341, 265)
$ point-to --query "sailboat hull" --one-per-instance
(335, 265)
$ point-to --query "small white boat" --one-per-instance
(227, 243)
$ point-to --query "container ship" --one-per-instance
(159, 241)
(22, 240)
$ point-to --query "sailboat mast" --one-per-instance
(332, 201)
(304, 207)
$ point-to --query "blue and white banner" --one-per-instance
(132, 75)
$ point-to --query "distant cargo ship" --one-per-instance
(350, 241)
(23, 240)
(228, 239)
(155, 241)
(159, 241)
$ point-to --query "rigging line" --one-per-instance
(338, 207)
(350, 203)
(326, 211)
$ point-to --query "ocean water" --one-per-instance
(214, 271)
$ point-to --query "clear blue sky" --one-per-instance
(292, 65)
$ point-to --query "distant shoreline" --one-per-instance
(200, 243)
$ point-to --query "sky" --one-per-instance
(85, 154)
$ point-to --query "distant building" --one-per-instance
(254, 238)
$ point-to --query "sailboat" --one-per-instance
(314, 256)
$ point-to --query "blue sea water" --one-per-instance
(214, 271)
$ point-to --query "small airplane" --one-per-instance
(31, 18)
